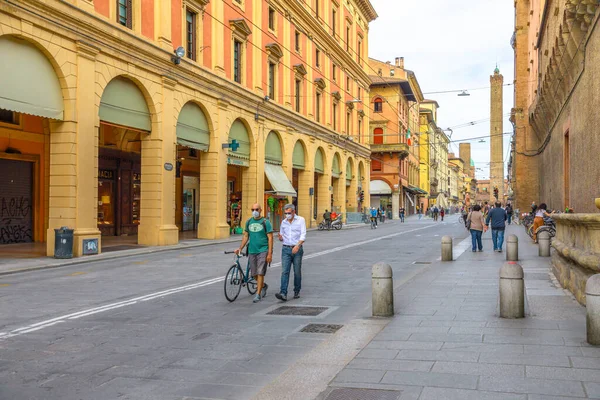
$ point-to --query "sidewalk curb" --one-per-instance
(133, 253)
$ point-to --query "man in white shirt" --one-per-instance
(292, 233)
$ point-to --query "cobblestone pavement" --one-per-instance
(446, 340)
(157, 326)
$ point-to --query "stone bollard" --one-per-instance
(512, 248)
(512, 291)
(447, 248)
(543, 239)
(592, 305)
(383, 290)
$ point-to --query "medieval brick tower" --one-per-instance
(496, 138)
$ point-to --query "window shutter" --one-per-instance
(194, 31)
(129, 13)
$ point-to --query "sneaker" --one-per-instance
(281, 297)
(481, 250)
(499, 250)
(263, 292)
(474, 251)
(256, 298)
(296, 295)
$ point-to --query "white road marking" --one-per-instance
(163, 293)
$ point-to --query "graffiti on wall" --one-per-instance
(15, 220)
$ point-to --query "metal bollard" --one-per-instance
(512, 248)
(544, 243)
(383, 290)
(592, 305)
(447, 248)
(512, 291)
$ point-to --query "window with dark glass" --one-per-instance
(347, 38)
(9, 117)
(190, 34)
(298, 83)
(237, 61)
(334, 73)
(333, 24)
(359, 130)
(348, 121)
(358, 52)
(347, 83)
(318, 107)
(297, 41)
(359, 93)
(271, 19)
(334, 118)
(271, 80)
(378, 105)
(124, 9)
(317, 58)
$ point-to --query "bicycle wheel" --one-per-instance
(233, 283)
(530, 231)
(251, 286)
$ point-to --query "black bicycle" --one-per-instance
(235, 279)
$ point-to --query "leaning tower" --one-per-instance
(496, 137)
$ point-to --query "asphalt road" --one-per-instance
(159, 327)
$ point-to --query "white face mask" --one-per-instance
(289, 216)
(255, 214)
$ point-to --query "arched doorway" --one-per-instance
(193, 139)
(124, 122)
(320, 183)
(277, 185)
(338, 195)
(31, 101)
(238, 163)
(381, 194)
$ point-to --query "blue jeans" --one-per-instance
(476, 240)
(287, 259)
(498, 238)
(509, 218)
(402, 217)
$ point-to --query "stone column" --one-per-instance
(213, 180)
(324, 200)
(305, 182)
(396, 204)
(86, 226)
(157, 203)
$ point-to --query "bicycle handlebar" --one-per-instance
(233, 252)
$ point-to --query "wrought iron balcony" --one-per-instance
(390, 148)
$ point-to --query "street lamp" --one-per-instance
(464, 93)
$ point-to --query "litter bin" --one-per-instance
(63, 243)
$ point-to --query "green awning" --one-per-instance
(279, 181)
(123, 104)
(273, 149)
(348, 173)
(335, 167)
(28, 83)
(240, 134)
(298, 156)
(192, 128)
(319, 162)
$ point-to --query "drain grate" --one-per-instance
(303, 311)
(321, 328)
(422, 262)
(363, 394)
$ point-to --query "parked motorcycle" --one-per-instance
(335, 224)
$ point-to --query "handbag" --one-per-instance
(468, 224)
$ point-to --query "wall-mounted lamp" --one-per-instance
(179, 53)
(267, 98)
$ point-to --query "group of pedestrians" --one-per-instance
(479, 220)
(258, 235)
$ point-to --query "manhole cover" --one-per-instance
(363, 394)
(304, 311)
(321, 328)
(422, 262)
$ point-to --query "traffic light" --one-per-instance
(362, 196)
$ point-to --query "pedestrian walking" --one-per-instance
(374, 216)
(402, 212)
(509, 213)
(292, 233)
(497, 216)
(476, 225)
(436, 212)
(258, 235)
(442, 213)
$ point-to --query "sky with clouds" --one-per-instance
(452, 45)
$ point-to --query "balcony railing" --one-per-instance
(389, 148)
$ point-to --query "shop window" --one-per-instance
(375, 165)
(124, 12)
(106, 200)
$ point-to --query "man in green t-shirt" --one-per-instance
(258, 234)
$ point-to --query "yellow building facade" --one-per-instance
(115, 135)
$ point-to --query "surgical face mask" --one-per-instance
(289, 216)
(255, 214)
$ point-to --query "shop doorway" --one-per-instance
(191, 203)
(124, 123)
(16, 201)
